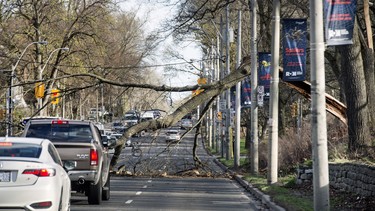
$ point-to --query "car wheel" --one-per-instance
(107, 188)
(94, 195)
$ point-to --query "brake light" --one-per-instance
(60, 122)
(6, 144)
(40, 172)
(94, 157)
(42, 205)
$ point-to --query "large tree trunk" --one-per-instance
(356, 96)
(368, 55)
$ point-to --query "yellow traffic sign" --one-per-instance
(202, 81)
(219, 115)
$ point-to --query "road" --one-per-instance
(159, 181)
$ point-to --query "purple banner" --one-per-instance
(294, 49)
(245, 93)
(265, 73)
(339, 16)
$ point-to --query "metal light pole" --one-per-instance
(238, 99)
(40, 100)
(9, 105)
(318, 106)
(254, 90)
(274, 97)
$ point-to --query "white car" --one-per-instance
(32, 176)
(172, 135)
(186, 124)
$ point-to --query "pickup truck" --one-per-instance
(79, 142)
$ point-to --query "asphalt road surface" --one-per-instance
(163, 179)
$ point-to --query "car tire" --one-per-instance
(94, 195)
(106, 194)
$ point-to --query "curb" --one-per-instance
(266, 199)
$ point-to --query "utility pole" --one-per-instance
(222, 74)
(238, 99)
(254, 89)
(227, 116)
(219, 66)
(273, 122)
(318, 106)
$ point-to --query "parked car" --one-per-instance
(118, 127)
(81, 142)
(131, 118)
(186, 123)
(172, 135)
(32, 175)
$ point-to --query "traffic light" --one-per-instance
(39, 90)
(55, 95)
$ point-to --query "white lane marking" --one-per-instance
(145, 186)
(138, 193)
(229, 202)
(149, 181)
(128, 201)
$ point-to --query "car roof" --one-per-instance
(23, 140)
(83, 122)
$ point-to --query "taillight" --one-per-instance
(94, 157)
(40, 172)
(60, 122)
(42, 205)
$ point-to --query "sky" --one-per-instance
(155, 14)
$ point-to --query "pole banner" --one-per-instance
(246, 93)
(339, 16)
(233, 97)
(264, 60)
(294, 49)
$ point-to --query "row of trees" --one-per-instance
(102, 40)
(349, 68)
(108, 47)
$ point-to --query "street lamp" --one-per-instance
(40, 100)
(9, 130)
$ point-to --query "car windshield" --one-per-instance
(131, 118)
(61, 132)
(9, 149)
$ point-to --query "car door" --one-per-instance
(66, 185)
(105, 155)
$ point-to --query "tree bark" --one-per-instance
(356, 95)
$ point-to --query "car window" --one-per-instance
(10, 149)
(54, 154)
(61, 132)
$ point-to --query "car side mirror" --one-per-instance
(112, 142)
(105, 141)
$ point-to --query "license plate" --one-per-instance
(5, 176)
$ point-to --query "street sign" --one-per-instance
(223, 105)
(202, 81)
(219, 115)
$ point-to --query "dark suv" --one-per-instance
(79, 142)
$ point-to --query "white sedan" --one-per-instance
(172, 135)
(32, 176)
